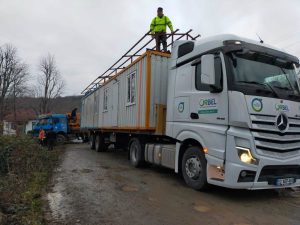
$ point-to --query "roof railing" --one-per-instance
(133, 53)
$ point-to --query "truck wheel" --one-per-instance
(136, 153)
(193, 168)
(92, 141)
(60, 139)
(85, 138)
(100, 144)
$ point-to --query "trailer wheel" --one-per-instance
(193, 168)
(60, 139)
(100, 144)
(136, 153)
(92, 141)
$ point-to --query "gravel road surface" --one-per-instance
(92, 188)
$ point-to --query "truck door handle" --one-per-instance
(194, 116)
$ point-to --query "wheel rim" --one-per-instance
(97, 143)
(193, 167)
(92, 141)
(133, 152)
(60, 139)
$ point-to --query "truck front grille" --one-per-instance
(269, 140)
(279, 171)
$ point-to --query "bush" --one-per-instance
(25, 168)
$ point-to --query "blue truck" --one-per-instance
(64, 125)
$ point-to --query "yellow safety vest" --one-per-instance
(159, 24)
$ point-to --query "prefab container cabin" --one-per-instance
(134, 100)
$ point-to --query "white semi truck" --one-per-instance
(223, 110)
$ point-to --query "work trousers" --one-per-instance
(50, 143)
(161, 38)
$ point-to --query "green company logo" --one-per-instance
(257, 104)
(207, 111)
(206, 103)
(180, 107)
(281, 107)
(208, 106)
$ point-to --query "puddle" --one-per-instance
(81, 171)
(119, 178)
(151, 199)
(143, 182)
(128, 188)
(201, 208)
(86, 171)
(105, 167)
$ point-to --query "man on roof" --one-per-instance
(158, 29)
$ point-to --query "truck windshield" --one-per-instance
(45, 121)
(256, 71)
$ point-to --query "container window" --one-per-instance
(105, 100)
(131, 88)
(128, 89)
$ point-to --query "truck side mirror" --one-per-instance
(208, 74)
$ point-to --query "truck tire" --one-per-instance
(136, 153)
(60, 139)
(193, 168)
(100, 144)
(92, 141)
(85, 138)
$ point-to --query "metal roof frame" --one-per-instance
(132, 53)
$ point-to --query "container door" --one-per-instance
(115, 104)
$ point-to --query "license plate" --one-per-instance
(285, 181)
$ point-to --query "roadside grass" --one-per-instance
(25, 169)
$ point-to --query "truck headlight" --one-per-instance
(246, 156)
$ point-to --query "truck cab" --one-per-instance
(238, 102)
(55, 122)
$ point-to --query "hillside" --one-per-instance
(28, 108)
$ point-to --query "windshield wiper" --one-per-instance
(283, 88)
(294, 96)
(251, 82)
(271, 90)
(286, 77)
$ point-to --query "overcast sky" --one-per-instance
(87, 36)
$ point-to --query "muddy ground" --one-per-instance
(102, 188)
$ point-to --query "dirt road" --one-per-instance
(102, 188)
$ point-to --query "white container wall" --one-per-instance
(128, 101)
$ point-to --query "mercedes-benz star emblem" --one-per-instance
(282, 122)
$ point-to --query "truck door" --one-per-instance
(209, 109)
(115, 104)
(208, 105)
(60, 124)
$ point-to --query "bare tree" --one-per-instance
(19, 85)
(50, 83)
(13, 74)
